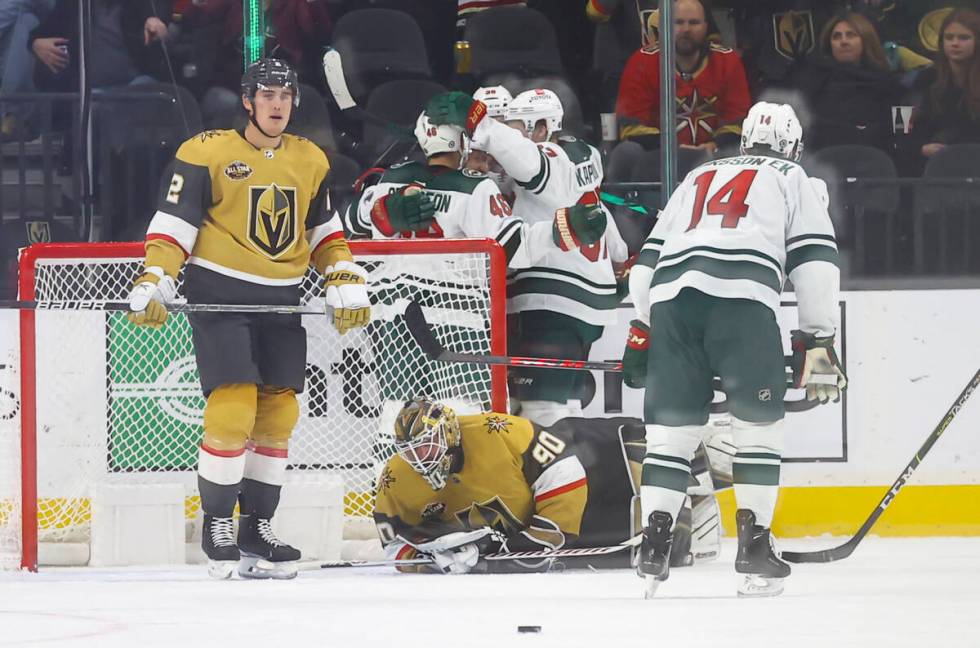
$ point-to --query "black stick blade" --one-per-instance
(420, 330)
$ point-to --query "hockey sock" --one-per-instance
(667, 468)
(219, 478)
(755, 470)
(265, 473)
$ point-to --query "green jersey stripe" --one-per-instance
(563, 289)
(817, 252)
(721, 269)
(534, 271)
(724, 251)
(821, 237)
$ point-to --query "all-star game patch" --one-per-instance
(238, 170)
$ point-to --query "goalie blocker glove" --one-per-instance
(346, 292)
(812, 354)
(635, 355)
(149, 297)
(459, 552)
(408, 210)
(578, 226)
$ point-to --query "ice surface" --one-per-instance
(890, 592)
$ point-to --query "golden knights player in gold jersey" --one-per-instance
(572, 484)
(248, 212)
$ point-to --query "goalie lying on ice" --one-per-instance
(573, 484)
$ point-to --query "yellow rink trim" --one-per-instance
(841, 510)
(801, 511)
(63, 512)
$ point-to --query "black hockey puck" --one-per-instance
(529, 628)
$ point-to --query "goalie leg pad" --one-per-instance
(755, 469)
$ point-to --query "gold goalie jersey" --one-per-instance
(253, 214)
(511, 471)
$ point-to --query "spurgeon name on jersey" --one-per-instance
(251, 214)
(724, 233)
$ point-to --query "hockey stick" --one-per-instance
(846, 549)
(426, 339)
(514, 555)
(420, 330)
(95, 305)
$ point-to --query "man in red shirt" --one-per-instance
(712, 92)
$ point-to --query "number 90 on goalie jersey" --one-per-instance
(574, 474)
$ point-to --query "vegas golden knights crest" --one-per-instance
(38, 232)
(793, 33)
(272, 218)
(492, 513)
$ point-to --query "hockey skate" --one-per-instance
(263, 554)
(653, 558)
(218, 542)
(764, 570)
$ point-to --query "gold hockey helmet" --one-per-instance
(425, 432)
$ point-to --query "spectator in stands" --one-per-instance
(124, 48)
(950, 109)
(849, 88)
(296, 31)
(17, 19)
(712, 93)
(774, 38)
(622, 27)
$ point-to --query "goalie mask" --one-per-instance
(497, 98)
(535, 105)
(774, 126)
(426, 436)
(441, 139)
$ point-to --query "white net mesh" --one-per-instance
(119, 403)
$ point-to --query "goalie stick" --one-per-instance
(514, 555)
(179, 307)
(846, 549)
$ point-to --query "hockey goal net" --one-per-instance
(101, 400)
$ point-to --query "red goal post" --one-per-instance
(103, 400)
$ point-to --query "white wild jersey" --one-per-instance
(737, 227)
(467, 205)
(551, 176)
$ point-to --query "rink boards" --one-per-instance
(907, 354)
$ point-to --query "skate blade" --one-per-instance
(756, 586)
(221, 569)
(650, 585)
(258, 568)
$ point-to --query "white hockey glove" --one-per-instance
(458, 552)
(813, 355)
(149, 297)
(346, 293)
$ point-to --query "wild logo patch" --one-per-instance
(497, 424)
(238, 170)
(272, 219)
(793, 33)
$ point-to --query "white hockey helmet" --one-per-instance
(774, 126)
(440, 139)
(531, 106)
(497, 98)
